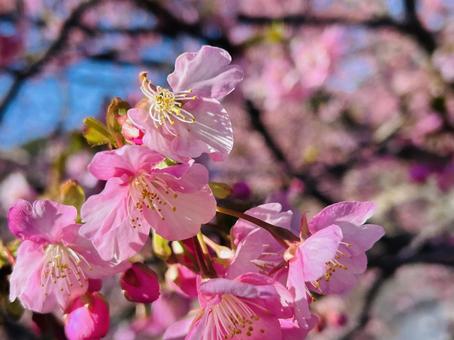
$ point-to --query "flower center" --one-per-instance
(150, 193)
(165, 101)
(231, 317)
(63, 267)
(165, 106)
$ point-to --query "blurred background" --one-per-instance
(342, 100)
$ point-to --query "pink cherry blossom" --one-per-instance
(247, 306)
(87, 317)
(53, 262)
(303, 262)
(189, 120)
(351, 260)
(139, 195)
(315, 58)
(140, 284)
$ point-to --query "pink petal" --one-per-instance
(265, 328)
(184, 177)
(192, 206)
(98, 268)
(213, 127)
(125, 161)
(257, 252)
(140, 118)
(340, 282)
(318, 249)
(211, 133)
(207, 73)
(178, 330)
(296, 284)
(41, 221)
(237, 288)
(276, 304)
(29, 261)
(270, 212)
(362, 237)
(108, 225)
(353, 212)
(291, 330)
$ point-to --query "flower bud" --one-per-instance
(140, 284)
(87, 317)
(130, 132)
(241, 190)
(182, 279)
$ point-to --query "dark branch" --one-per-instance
(369, 301)
(309, 182)
(50, 53)
(411, 25)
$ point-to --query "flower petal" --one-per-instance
(126, 160)
(207, 73)
(178, 330)
(26, 270)
(353, 212)
(212, 128)
(41, 221)
(188, 205)
(318, 249)
(296, 284)
(361, 237)
(108, 225)
(257, 252)
(269, 212)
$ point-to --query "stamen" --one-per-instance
(149, 193)
(166, 107)
(229, 318)
(63, 265)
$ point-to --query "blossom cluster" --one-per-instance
(260, 286)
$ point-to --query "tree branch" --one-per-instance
(51, 52)
(411, 25)
(309, 182)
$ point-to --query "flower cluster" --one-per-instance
(260, 287)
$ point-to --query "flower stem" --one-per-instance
(206, 254)
(283, 236)
(205, 270)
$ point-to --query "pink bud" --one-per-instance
(241, 190)
(340, 320)
(182, 279)
(94, 285)
(140, 284)
(87, 317)
(130, 132)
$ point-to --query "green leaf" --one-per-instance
(161, 246)
(96, 133)
(220, 190)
